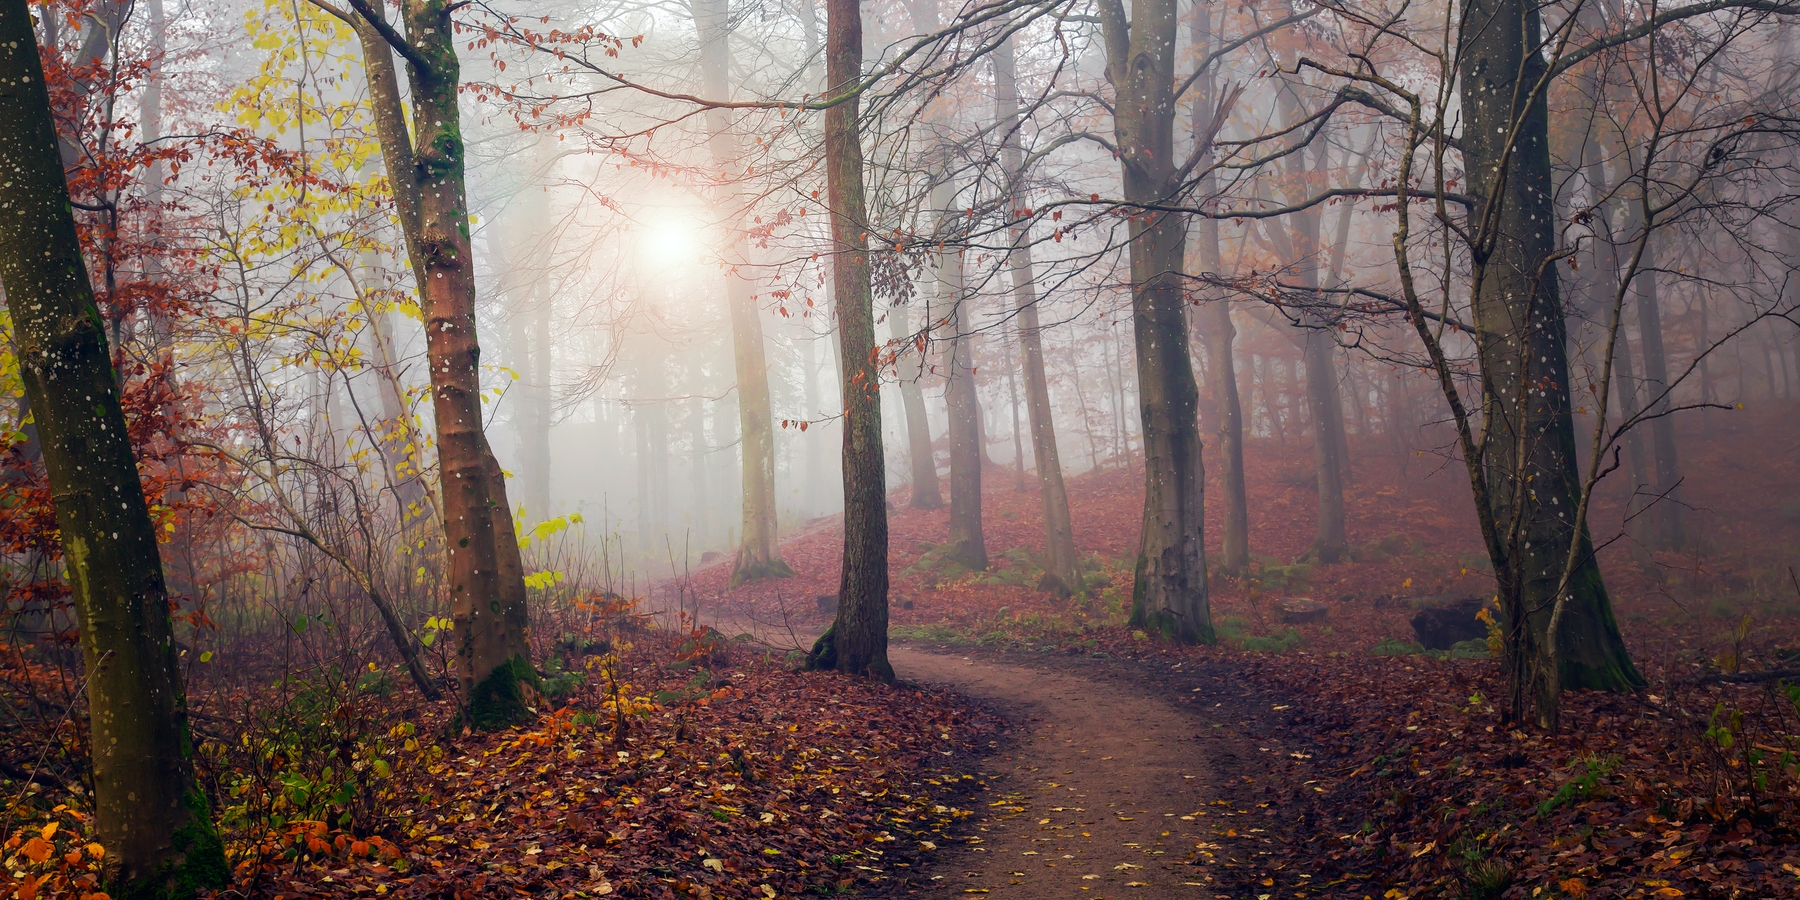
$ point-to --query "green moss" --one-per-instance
(1615, 671)
(197, 862)
(823, 656)
(742, 573)
(499, 700)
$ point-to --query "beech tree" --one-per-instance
(856, 641)
(425, 166)
(155, 823)
(758, 555)
(1169, 594)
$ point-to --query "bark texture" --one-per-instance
(1528, 444)
(485, 576)
(1169, 596)
(153, 822)
(856, 642)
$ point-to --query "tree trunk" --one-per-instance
(911, 369)
(1169, 594)
(149, 815)
(759, 553)
(1012, 405)
(1300, 245)
(964, 405)
(1594, 289)
(1667, 527)
(485, 573)
(1528, 447)
(856, 642)
(1217, 333)
(1330, 541)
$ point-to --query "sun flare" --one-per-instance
(669, 243)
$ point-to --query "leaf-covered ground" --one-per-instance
(1402, 761)
(734, 777)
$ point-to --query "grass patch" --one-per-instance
(1235, 632)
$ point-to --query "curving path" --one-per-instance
(1104, 793)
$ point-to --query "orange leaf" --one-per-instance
(37, 850)
(28, 888)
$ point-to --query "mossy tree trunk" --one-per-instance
(1169, 594)
(426, 170)
(856, 642)
(152, 820)
(1528, 446)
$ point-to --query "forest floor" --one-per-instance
(1039, 746)
(1388, 772)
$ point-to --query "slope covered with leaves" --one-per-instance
(1689, 788)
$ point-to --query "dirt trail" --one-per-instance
(1103, 794)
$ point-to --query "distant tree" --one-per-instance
(1059, 531)
(759, 553)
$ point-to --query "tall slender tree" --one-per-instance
(1216, 330)
(968, 546)
(152, 819)
(759, 553)
(926, 493)
(1527, 466)
(856, 642)
(425, 166)
(1059, 530)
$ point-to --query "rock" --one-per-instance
(709, 556)
(1300, 611)
(828, 604)
(906, 604)
(1443, 626)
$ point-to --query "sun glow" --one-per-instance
(671, 242)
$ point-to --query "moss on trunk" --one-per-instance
(499, 701)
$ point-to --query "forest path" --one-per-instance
(1100, 795)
